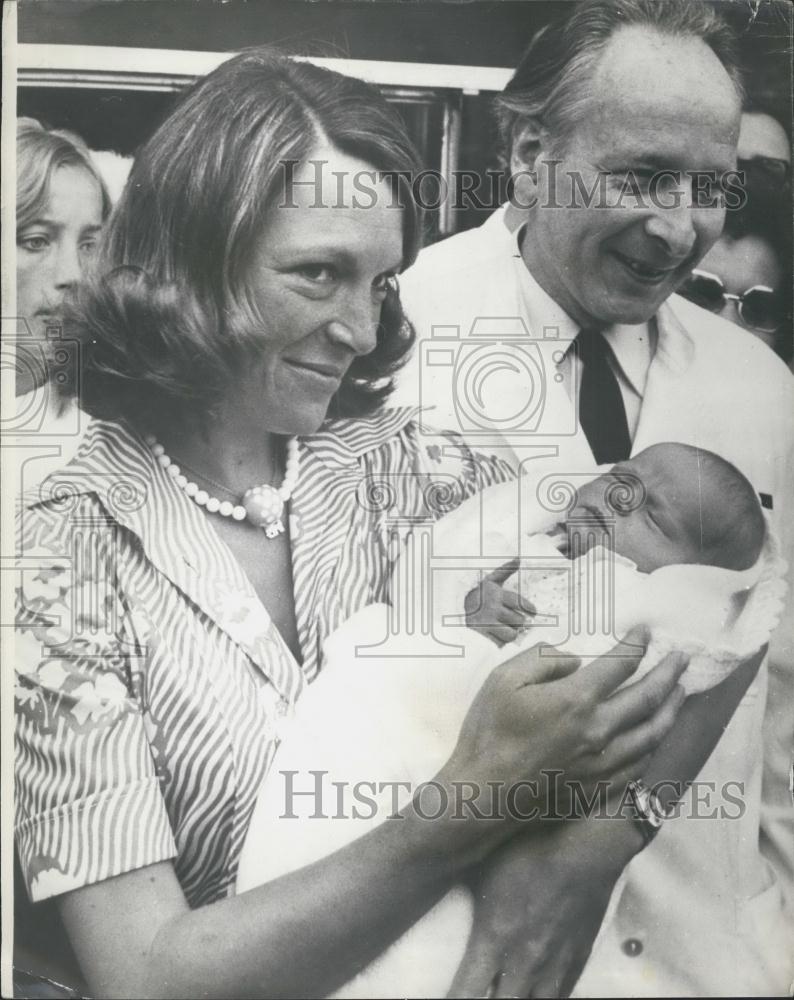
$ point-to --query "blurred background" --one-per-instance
(112, 68)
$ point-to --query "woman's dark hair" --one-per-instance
(165, 320)
(766, 213)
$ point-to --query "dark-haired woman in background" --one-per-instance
(213, 530)
(746, 276)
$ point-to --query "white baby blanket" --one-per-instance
(381, 720)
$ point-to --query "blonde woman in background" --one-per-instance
(62, 203)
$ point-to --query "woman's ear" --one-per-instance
(528, 137)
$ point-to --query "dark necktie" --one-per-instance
(601, 410)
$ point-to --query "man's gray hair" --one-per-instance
(551, 82)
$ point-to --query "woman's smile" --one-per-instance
(318, 280)
(323, 373)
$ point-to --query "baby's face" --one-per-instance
(651, 504)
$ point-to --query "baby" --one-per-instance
(670, 505)
(679, 538)
(680, 505)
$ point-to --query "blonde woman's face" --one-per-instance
(53, 249)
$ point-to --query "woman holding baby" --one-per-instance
(237, 343)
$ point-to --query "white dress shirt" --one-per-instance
(632, 347)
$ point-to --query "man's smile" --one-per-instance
(643, 271)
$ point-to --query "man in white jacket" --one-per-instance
(611, 123)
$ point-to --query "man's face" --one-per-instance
(656, 104)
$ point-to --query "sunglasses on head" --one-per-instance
(760, 307)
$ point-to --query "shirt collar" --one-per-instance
(541, 309)
(676, 346)
(496, 228)
(115, 466)
(633, 345)
(634, 348)
(343, 442)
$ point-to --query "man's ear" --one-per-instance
(528, 137)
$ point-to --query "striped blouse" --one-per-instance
(150, 680)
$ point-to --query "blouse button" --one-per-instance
(632, 947)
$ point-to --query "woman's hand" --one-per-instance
(540, 900)
(539, 904)
(537, 713)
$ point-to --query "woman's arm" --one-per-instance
(308, 932)
(541, 899)
(304, 934)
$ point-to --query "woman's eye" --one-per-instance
(89, 246)
(321, 274)
(33, 243)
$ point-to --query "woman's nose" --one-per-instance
(357, 328)
(67, 266)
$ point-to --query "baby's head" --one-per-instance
(674, 503)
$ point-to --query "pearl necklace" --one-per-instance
(262, 505)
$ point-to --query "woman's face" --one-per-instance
(53, 248)
(741, 264)
(318, 278)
